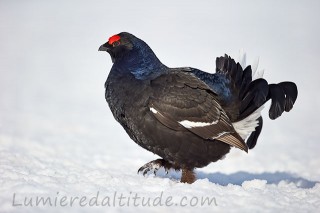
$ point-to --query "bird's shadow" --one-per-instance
(272, 178)
(239, 177)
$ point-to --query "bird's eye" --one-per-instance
(116, 43)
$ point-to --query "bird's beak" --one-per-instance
(103, 48)
(108, 48)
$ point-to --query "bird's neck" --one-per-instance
(142, 63)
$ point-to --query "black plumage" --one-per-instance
(188, 117)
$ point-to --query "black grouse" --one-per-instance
(188, 117)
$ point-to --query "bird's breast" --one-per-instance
(126, 97)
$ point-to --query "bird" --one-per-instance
(188, 117)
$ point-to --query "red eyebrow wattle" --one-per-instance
(113, 39)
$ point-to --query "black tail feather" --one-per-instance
(283, 96)
(232, 70)
(253, 94)
(246, 79)
(291, 91)
(278, 99)
(249, 95)
(253, 138)
(254, 97)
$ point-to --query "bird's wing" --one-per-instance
(182, 101)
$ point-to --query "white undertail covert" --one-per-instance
(247, 125)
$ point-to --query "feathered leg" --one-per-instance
(188, 176)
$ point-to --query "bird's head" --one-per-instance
(133, 55)
(118, 45)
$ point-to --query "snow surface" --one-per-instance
(58, 137)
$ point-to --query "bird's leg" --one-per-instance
(155, 165)
(188, 176)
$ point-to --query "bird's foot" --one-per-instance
(155, 165)
(188, 176)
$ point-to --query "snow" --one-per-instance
(58, 138)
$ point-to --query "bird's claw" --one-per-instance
(153, 166)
